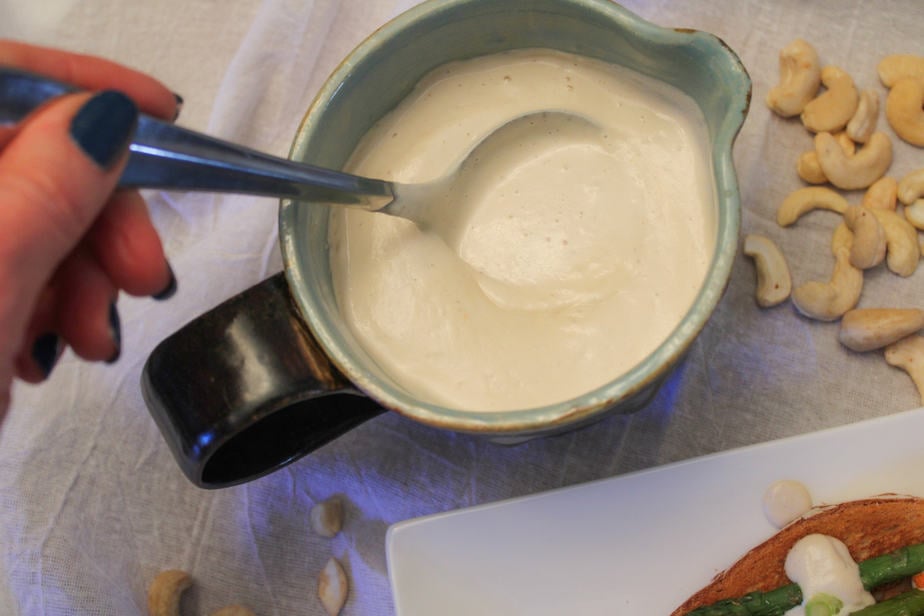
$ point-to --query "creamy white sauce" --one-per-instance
(579, 254)
(786, 500)
(822, 564)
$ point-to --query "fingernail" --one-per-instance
(179, 105)
(45, 352)
(115, 331)
(103, 127)
(170, 289)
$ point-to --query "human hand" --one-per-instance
(70, 242)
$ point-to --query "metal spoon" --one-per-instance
(166, 156)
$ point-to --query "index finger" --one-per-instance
(92, 73)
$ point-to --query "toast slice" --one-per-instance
(869, 527)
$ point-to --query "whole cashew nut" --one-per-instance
(908, 354)
(867, 329)
(858, 171)
(863, 123)
(868, 247)
(774, 284)
(808, 167)
(165, 590)
(332, 587)
(800, 77)
(882, 194)
(326, 517)
(827, 301)
(899, 66)
(831, 110)
(904, 109)
(804, 200)
(903, 252)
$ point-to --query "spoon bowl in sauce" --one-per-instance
(501, 210)
(441, 205)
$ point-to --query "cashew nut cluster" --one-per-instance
(326, 519)
(869, 233)
(842, 107)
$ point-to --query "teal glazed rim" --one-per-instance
(376, 76)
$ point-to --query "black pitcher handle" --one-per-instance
(245, 389)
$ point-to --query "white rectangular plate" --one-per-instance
(639, 543)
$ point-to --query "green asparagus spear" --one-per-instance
(896, 565)
(874, 572)
(910, 603)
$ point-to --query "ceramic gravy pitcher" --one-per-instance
(274, 372)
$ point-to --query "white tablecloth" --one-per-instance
(92, 505)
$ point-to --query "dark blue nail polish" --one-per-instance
(179, 106)
(170, 289)
(103, 127)
(115, 331)
(45, 352)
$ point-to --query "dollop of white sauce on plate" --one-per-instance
(572, 260)
(822, 564)
(786, 500)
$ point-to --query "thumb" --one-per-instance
(56, 174)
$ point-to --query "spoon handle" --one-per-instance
(168, 157)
